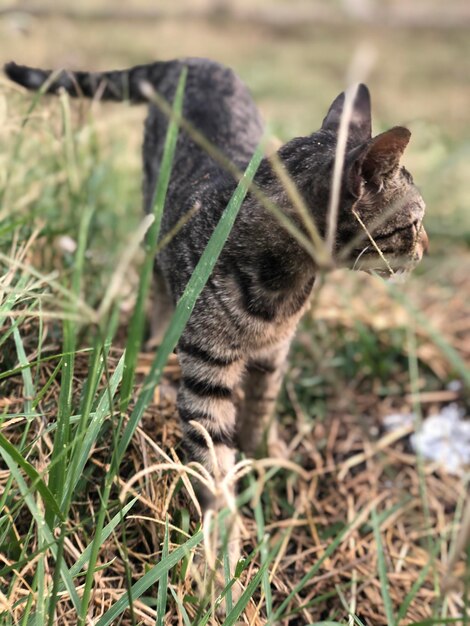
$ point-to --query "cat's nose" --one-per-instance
(424, 240)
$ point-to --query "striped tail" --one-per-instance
(115, 85)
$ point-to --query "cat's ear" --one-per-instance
(384, 152)
(377, 159)
(360, 126)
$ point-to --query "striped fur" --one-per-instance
(239, 333)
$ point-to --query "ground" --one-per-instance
(355, 526)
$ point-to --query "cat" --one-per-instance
(241, 328)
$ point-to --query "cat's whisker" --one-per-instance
(359, 257)
(394, 208)
(373, 242)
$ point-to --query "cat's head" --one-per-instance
(381, 211)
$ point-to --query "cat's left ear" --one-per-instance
(360, 126)
(377, 159)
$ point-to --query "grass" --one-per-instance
(355, 530)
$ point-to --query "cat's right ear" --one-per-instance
(360, 125)
(376, 160)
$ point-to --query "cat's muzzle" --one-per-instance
(421, 243)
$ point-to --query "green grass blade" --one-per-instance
(37, 482)
(227, 574)
(68, 143)
(136, 326)
(382, 570)
(42, 528)
(41, 595)
(266, 585)
(29, 394)
(346, 606)
(53, 357)
(327, 623)
(8, 305)
(149, 579)
(437, 621)
(94, 426)
(163, 583)
(105, 533)
(74, 471)
(191, 293)
(29, 391)
(247, 594)
(40, 395)
(416, 586)
(58, 471)
(27, 610)
(183, 612)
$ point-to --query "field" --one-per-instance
(96, 525)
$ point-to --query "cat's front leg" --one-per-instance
(209, 376)
(261, 384)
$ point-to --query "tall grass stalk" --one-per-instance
(382, 570)
(178, 322)
(136, 327)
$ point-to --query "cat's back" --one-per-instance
(218, 105)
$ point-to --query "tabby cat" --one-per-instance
(239, 333)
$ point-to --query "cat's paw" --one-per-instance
(212, 584)
(208, 575)
(221, 605)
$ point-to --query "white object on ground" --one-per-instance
(444, 437)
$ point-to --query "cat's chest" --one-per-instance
(256, 317)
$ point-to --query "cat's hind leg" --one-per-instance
(161, 309)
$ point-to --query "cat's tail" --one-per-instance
(115, 85)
